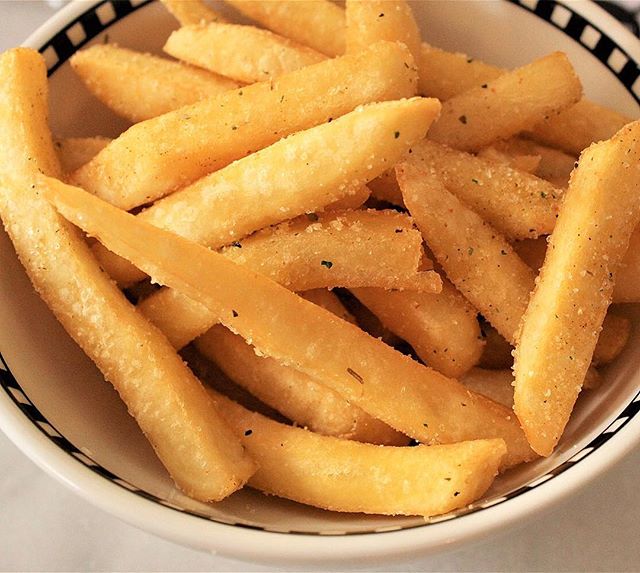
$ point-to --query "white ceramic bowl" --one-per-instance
(57, 409)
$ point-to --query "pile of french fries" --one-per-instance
(330, 148)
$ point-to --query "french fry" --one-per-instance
(562, 322)
(498, 384)
(613, 338)
(168, 402)
(555, 166)
(369, 21)
(442, 328)
(191, 12)
(444, 75)
(494, 384)
(158, 156)
(497, 351)
(243, 53)
(73, 152)
(319, 24)
(411, 398)
(627, 287)
(517, 204)
(526, 163)
(574, 129)
(328, 300)
(139, 86)
(507, 105)
(532, 251)
(385, 188)
(294, 176)
(337, 474)
(481, 264)
(477, 259)
(303, 255)
(384, 249)
(294, 394)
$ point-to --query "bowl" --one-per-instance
(55, 406)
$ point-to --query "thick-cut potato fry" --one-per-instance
(294, 176)
(385, 188)
(140, 86)
(303, 255)
(243, 53)
(576, 128)
(157, 156)
(627, 287)
(613, 338)
(507, 105)
(294, 394)
(73, 152)
(526, 163)
(411, 398)
(126, 275)
(480, 263)
(477, 259)
(337, 474)
(532, 251)
(517, 204)
(339, 249)
(369, 21)
(192, 12)
(555, 166)
(442, 328)
(328, 300)
(498, 384)
(444, 75)
(562, 322)
(497, 351)
(494, 384)
(319, 24)
(168, 402)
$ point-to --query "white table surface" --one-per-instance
(46, 527)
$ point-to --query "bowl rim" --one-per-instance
(36, 440)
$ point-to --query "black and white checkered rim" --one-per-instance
(95, 21)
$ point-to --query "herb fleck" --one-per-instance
(236, 244)
(355, 375)
(456, 493)
(396, 134)
(484, 86)
(543, 194)
(248, 432)
(470, 251)
(234, 313)
(503, 252)
(312, 216)
(474, 180)
(327, 264)
(463, 119)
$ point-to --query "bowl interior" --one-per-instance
(45, 368)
